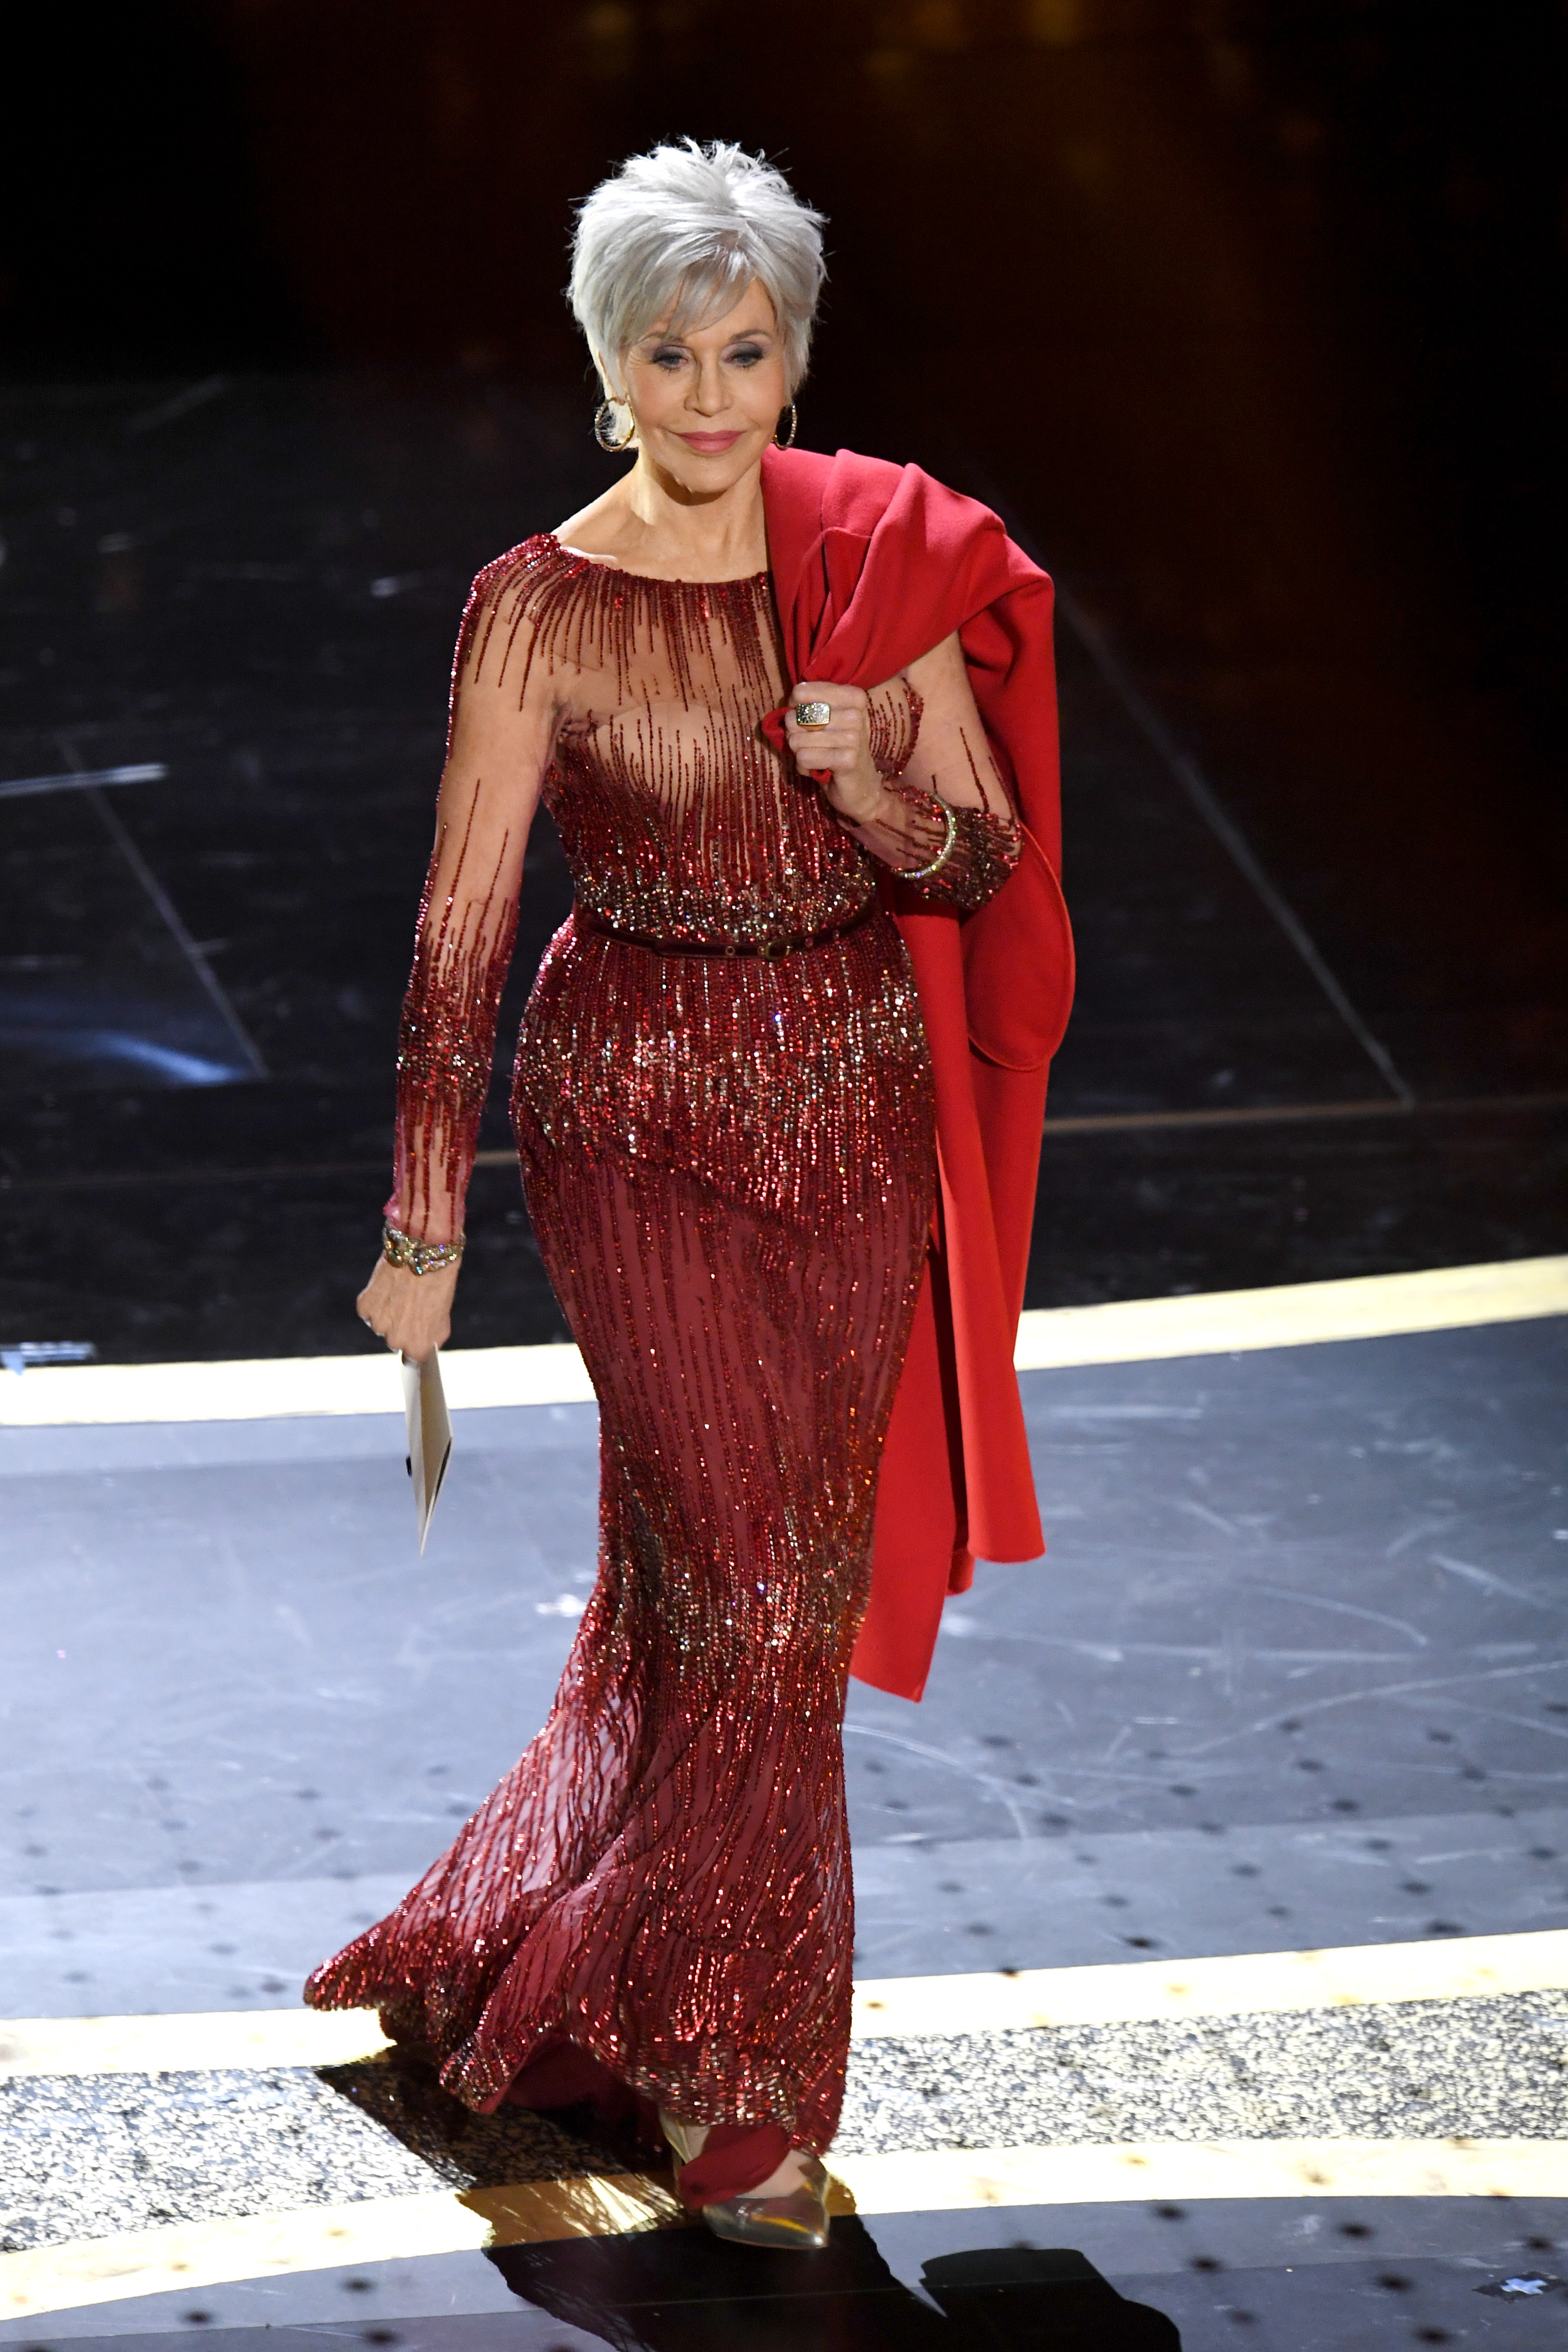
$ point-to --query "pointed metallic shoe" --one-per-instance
(799, 2220)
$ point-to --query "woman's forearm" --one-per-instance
(445, 1048)
(956, 856)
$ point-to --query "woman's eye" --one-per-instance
(671, 358)
(745, 355)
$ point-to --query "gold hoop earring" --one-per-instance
(603, 424)
(788, 440)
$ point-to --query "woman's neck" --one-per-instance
(649, 523)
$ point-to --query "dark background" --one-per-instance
(1247, 315)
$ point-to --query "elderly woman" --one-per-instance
(735, 1064)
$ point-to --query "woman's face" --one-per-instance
(707, 401)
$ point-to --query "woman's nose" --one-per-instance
(710, 395)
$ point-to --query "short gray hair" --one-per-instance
(679, 234)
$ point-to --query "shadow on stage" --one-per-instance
(684, 2291)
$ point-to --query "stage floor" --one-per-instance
(1291, 1681)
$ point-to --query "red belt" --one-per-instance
(764, 951)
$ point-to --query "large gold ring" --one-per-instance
(813, 714)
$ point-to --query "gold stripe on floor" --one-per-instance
(1294, 1314)
(208, 2253)
(1289, 1315)
(1233, 1984)
(158, 2045)
(188, 2256)
(192, 2255)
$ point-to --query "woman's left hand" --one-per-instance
(842, 749)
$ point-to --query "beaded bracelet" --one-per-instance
(924, 873)
(419, 1258)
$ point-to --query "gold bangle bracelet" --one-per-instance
(924, 873)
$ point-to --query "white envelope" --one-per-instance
(429, 1435)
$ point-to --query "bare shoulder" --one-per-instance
(596, 529)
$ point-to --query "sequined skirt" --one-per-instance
(730, 1167)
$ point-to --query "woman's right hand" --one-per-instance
(412, 1312)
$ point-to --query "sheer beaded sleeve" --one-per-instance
(947, 825)
(498, 745)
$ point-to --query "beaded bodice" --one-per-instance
(641, 703)
(677, 817)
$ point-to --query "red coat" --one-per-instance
(872, 565)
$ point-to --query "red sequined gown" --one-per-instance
(729, 1163)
